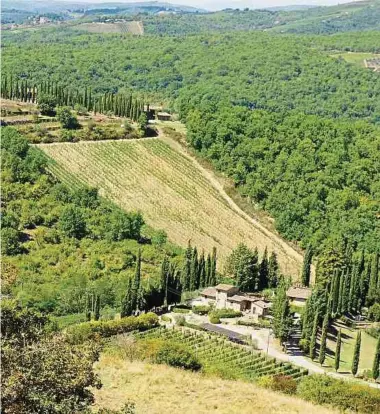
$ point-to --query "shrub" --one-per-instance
(202, 309)
(227, 313)
(374, 313)
(322, 389)
(177, 355)
(47, 104)
(180, 310)
(77, 334)
(282, 383)
(67, 119)
(166, 318)
(213, 317)
(180, 320)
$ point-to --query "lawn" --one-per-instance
(368, 346)
(355, 58)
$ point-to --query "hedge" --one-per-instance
(345, 395)
(82, 332)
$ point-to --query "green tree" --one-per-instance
(337, 350)
(313, 340)
(263, 272)
(72, 222)
(242, 266)
(282, 320)
(67, 119)
(322, 348)
(47, 104)
(306, 268)
(376, 361)
(273, 270)
(136, 283)
(127, 305)
(356, 356)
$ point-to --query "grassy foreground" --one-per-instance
(158, 389)
(170, 190)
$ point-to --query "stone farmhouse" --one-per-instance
(228, 296)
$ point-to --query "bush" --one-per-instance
(374, 313)
(67, 119)
(282, 383)
(227, 313)
(322, 389)
(202, 309)
(180, 310)
(166, 318)
(82, 332)
(47, 104)
(180, 320)
(177, 355)
(213, 317)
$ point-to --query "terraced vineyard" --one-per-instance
(168, 188)
(217, 354)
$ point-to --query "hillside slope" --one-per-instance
(172, 192)
(158, 389)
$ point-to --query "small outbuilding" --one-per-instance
(298, 295)
(164, 116)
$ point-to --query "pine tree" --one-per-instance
(273, 270)
(263, 272)
(313, 339)
(136, 282)
(376, 361)
(356, 357)
(127, 306)
(322, 349)
(337, 350)
(306, 268)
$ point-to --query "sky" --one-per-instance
(222, 4)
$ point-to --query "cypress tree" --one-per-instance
(356, 357)
(306, 268)
(282, 320)
(341, 288)
(187, 268)
(194, 282)
(208, 270)
(337, 350)
(126, 305)
(322, 349)
(346, 292)
(164, 279)
(263, 271)
(376, 361)
(213, 268)
(136, 282)
(373, 279)
(273, 270)
(202, 271)
(97, 308)
(336, 287)
(313, 339)
(364, 284)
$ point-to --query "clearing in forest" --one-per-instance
(134, 27)
(172, 191)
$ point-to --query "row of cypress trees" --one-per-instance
(198, 272)
(119, 104)
(340, 290)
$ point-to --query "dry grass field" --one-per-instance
(158, 389)
(134, 27)
(172, 191)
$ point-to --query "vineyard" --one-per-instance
(168, 188)
(217, 354)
